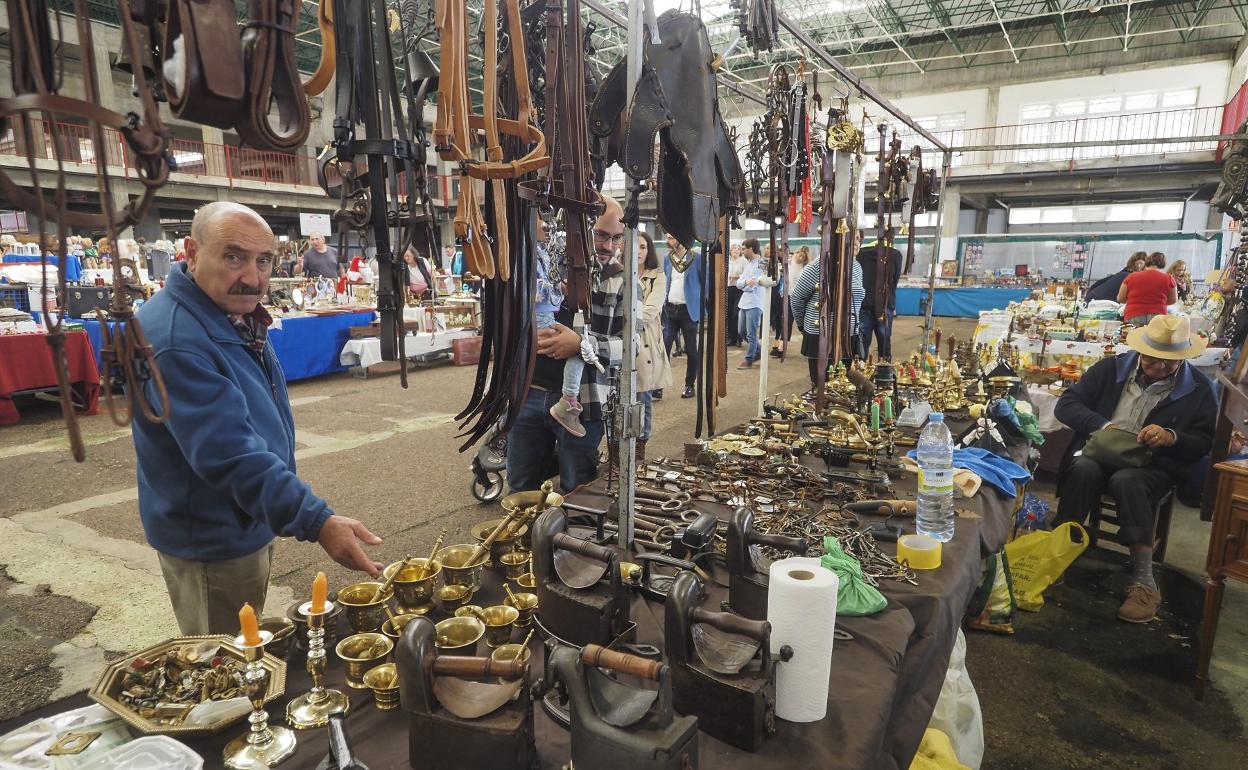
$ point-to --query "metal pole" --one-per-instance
(931, 269)
(764, 343)
(628, 367)
(857, 83)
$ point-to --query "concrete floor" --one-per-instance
(79, 585)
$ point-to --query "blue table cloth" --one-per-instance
(305, 346)
(964, 302)
(73, 269)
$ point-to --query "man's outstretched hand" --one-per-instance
(341, 537)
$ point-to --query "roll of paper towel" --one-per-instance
(801, 607)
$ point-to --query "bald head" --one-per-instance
(209, 217)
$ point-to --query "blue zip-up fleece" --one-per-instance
(217, 478)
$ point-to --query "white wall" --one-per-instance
(974, 103)
(1210, 77)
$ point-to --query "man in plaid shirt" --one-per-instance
(534, 437)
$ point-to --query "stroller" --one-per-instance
(488, 466)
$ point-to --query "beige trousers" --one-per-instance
(207, 595)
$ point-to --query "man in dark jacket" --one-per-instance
(1107, 287)
(1154, 393)
(217, 477)
(875, 319)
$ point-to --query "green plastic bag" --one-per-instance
(854, 595)
(992, 605)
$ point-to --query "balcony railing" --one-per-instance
(193, 158)
(1084, 138)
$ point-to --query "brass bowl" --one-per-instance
(459, 636)
(499, 620)
(415, 585)
(283, 631)
(527, 581)
(452, 597)
(530, 499)
(361, 652)
(301, 623)
(515, 563)
(469, 611)
(364, 615)
(526, 604)
(502, 545)
(393, 627)
(455, 568)
(107, 688)
(383, 680)
(508, 652)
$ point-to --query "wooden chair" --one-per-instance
(1107, 514)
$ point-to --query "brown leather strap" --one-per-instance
(273, 78)
(211, 87)
(456, 127)
(324, 74)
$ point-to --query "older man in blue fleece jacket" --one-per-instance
(217, 478)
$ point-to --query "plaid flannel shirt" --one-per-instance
(606, 330)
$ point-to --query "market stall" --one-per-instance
(885, 675)
(957, 302)
(26, 366)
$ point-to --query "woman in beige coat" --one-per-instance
(654, 372)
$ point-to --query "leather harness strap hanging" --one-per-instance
(455, 129)
(203, 36)
(272, 78)
(324, 74)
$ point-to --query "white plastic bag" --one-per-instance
(957, 713)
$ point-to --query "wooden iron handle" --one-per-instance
(583, 547)
(795, 544)
(478, 668)
(621, 662)
(732, 624)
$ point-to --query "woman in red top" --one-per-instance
(1148, 292)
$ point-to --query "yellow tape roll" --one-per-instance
(919, 551)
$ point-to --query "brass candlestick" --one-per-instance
(262, 746)
(314, 708)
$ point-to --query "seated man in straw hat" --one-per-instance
(1155, 393)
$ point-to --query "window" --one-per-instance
(1184, 98)
(1057, 216)
(1125, 213)
(948, 127)
(1025, 216)
(1155, 211)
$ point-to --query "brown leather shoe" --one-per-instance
(1141, 604)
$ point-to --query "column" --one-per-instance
(103, 59)
(950, 209)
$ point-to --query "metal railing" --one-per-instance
(193, 158)
(1083, 138)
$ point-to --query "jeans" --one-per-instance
(647, 401)
(573, 368)
(870, 325)
(1142, 320)
(679, 321)
(749, 322)
(1134, 490)
(533, 440)
(731, 311)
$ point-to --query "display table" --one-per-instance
(367, 352)
(306, 346)
(883, 687)
(26, 365)
(957, 302)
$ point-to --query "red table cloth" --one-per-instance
(26, 364)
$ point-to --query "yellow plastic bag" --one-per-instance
(1039, 558)
(936, 753)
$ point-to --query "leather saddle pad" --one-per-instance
(699, 176)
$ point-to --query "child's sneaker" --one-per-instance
(568, 414)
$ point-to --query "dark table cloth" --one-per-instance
(26, 365)
(883, 686)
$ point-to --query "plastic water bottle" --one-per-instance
(935, 452)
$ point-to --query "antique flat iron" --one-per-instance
(618, 727)
(722, 671)
(747, 569)
(467, 712)
(580, 591)
(340, 756)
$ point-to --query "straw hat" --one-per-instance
(1167, 336)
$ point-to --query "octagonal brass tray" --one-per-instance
(108, 687)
